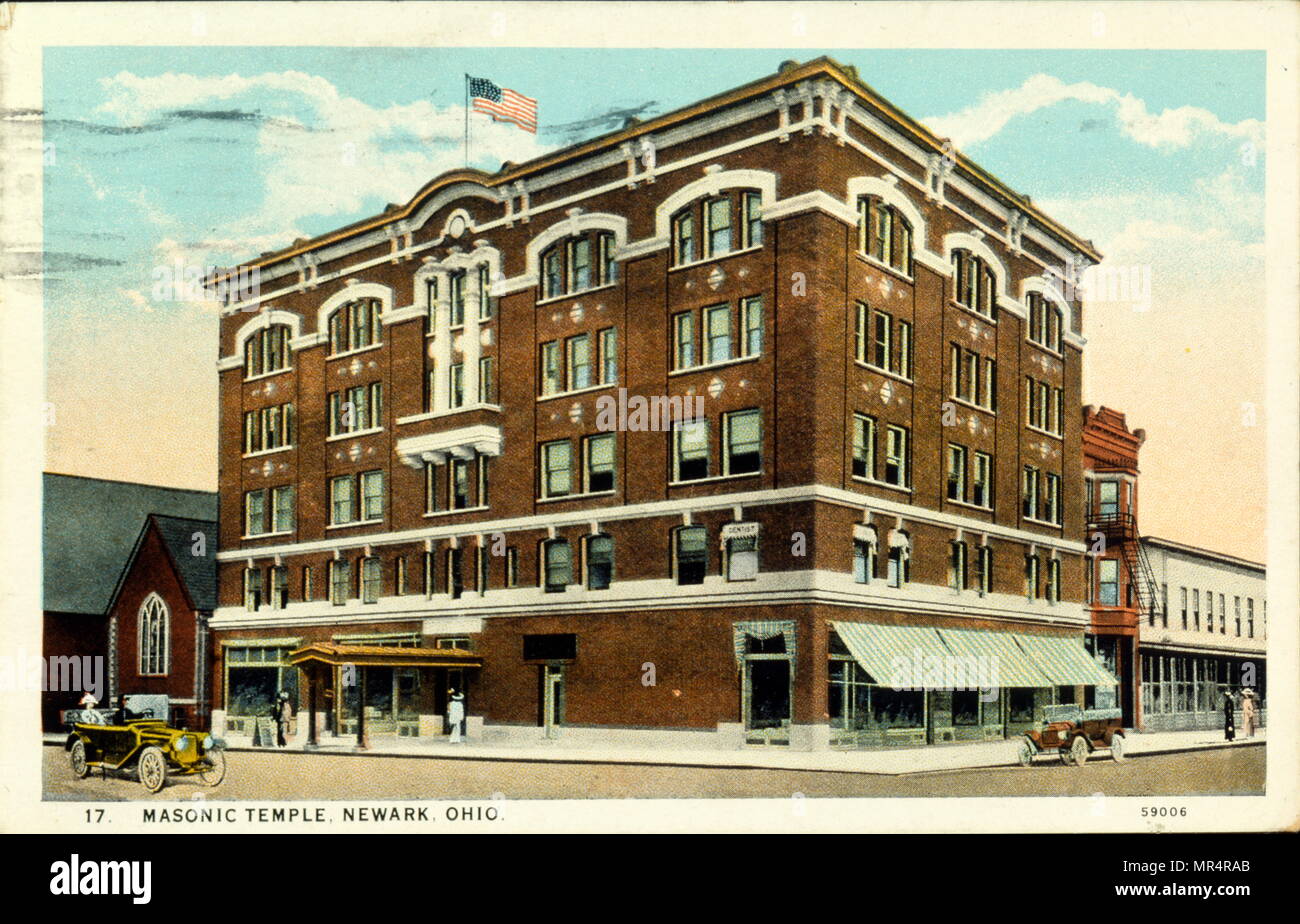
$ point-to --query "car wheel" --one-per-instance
(1026, 753)
(152, 769)
(78, 760)
(1079, 750)
(1117, 747)
(216, 767)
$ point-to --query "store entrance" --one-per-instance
(767, 698)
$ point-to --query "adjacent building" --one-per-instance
(733, 426)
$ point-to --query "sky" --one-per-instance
(158, 158)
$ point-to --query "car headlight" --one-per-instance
(207, 743)
(183, 743)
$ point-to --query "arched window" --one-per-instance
(975, 283)
(578, 263)
(356, 325)
(884, 234)
(153, 637)
(557, 559)
(600, 561)
(717, 225)
(1044, 321)
(267, 350)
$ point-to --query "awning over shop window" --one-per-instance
(878, 648)
(1014, 668)
(383, 656)
(1065, 661)
(763, 630)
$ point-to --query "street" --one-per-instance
(254, 775)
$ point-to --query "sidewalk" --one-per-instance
(894, 762)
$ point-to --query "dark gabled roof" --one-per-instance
(90, 528)
(197, 572)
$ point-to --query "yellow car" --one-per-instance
(148, 746)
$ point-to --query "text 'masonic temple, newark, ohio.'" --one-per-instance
(419, 492)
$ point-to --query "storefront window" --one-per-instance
(255, 676)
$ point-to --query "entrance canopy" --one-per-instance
(383, 656)
(1065, 661)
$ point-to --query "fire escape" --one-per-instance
(1120, 530)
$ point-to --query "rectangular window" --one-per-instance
(683, 340)
(743, 438)
(1108, 494)
(482, 497)
(600, 562)
(557, 469)
(456, 385)
(880, 339)
(486, 389)
(484, 292)
(340, 579)
(690, 450)
(1054, 499)
(860, 333)
(1223, 615)
(282, 504)
(609, 355)
(742, 558)
(1250, 617)
(372, 579)
(989, 393)
(1196, 609)
(864, 561)
(399, 575)
(268, 428)
(429, 578)
(684, 239)
(550, 363)
(342, 500)
(957, 566)
(557, 565)
(1054, 581)
(607, 265)
(690, 554)
(598, 463)
(307, 594)
(1031, 577)
(752, 204)
(459, 484)
(430, 487)
(718, 324)
(481, 562)
(512, 567)
(372, 495)
(455, 576)
(254, 513)
(1236, 605)
(881, 231)
(896, 457)
(457, 299)
(580, 264)
(579, 353)
(1108, 582)
(1029, 493)
(553, 269)
(252, 589)
(981, 488)
(751, 319)
(718, 215)
(904, 355)
(985, 560)
(956, 472)
(864, 446)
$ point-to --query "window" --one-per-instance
(458, 487)
(558, 565)
(457, 314)
(881, 328)
(903, 356)
(580, 275)
(1250, 617)
(254, 512)
(342, 509)
(553, 272)
(956, 472)
(268, 428)
(1054, 580)
(683, 238)
(307, 595)
(1054, 499)
(742, 557)
(600, 562)
(1089, 578)
(252, 589)
(579, 354)
(717, 214)
(1043, 407)
(730, 221)
(690, 554)
(598, 463)
(683, 340)
(512, 567)
(973, 378)
(981, 487)
(153, 635)
(483, 463)
(399, 575)
(371, 580)
(372, 495)
(456, 385)
(267, 351)
(345, 502)
(1032, 566)
(743, 438)
(1044, 322)
(550, 363)
(608, 355)
(429, 580)
(340, 579)
(485, 306)
(1223, 615)
(864, 446)
(718, 331)
(864, 560)
(690, 450)
(430, 487)
(282, 508)
(356, 409)
(1029, 493)
(557, 469)
(1236, 605)
(884, 234)
(1108, 582)
(751, 323)
(900, 560)
(984, 564)
(957, 566)
(486, 391)
(355, 326)
(751, 204)
(431, 296)
(1108, 492)
(896, 462)
(455, 574)
(481, 569)
(1196, 609)
(974, 283)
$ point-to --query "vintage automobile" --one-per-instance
(1074, 732)
(149, 746)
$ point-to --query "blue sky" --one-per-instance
(212, 154)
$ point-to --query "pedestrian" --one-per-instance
(1248, 711)
(283, 715)
(456, 714)
(1229, 729)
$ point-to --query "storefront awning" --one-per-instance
(1012, 666)
(383, 656)
(763, 630)
(1065, 661)
(886, 651)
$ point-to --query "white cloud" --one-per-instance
(324, 154)
(1167, 129)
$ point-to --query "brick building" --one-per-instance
(455, 453)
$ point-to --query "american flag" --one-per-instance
(503, 104)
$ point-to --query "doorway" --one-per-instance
(767, 697)
(553, 695)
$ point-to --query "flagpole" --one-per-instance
(467, 120)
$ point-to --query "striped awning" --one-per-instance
(1013, 667)
(763, 630)
(885, 651)
(1065, 661)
